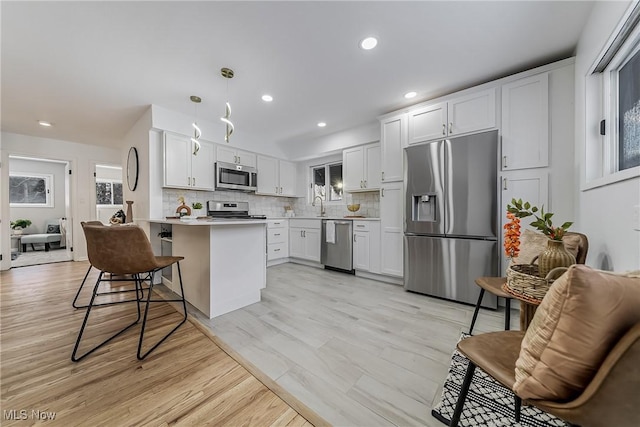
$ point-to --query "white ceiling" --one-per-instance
(92, 68)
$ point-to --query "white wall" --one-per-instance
(82, 158)
(40, 216)
(605, 213)
(333, 143)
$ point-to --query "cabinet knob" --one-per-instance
(504, 183)
(504, 162)
(365, 183)
(444, 129)
(354, 237)
(450, 127)
(382, 192)
(276, 190)
(382, 175)
(277, 234)
(189, 181)
(239, 161)
(280, 190)
(276, 250)
(235, 159)
(194, 181)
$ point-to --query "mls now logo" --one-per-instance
(23, 414)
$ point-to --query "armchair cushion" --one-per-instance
(561, 353)
(51, 228)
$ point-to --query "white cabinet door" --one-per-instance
(267, 175)
(226, 154)
(177, 162)
(525, 123)
(428, 123)
(372, 163)
(202, 167)
(472, 113)
(353, 169)
(361, 257)
(246, 158)
(393, 139)
(374, 247)
(529, 185)
(312, 244)
(392, 228)
(288, 174)
(296, 242)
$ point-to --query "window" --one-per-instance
(326, 182)
(30, 189)
(616, 155)
(108, 192)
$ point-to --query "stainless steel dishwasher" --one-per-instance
(337, 246)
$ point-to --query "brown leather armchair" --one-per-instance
(493, 285)
(612, 398)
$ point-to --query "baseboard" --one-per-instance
(380, 277)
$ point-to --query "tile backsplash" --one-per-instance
(273, 206)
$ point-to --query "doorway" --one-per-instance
(40, 211)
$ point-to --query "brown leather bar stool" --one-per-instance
(493, 285)
(125, 250)
(75, 303)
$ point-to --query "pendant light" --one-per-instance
(197, 133)
(227, 73)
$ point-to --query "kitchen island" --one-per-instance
(225, 261)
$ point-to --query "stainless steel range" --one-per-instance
(230, 210)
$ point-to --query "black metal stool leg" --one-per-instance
(75, 300)
(518, 406)
(146, 313)
(455, 419)
(475, 313)
(507, 314)
(75, 358)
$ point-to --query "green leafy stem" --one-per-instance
(542, 219)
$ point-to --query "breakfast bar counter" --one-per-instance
(225, 260)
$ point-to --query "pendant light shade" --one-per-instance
(227, 73)
(197, 133)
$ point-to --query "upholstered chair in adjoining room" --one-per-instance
(579, 359)
(126, 250)
(532, 244)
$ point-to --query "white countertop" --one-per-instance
(209, 222)
(334, 218)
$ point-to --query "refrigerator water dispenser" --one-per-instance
(425, 207)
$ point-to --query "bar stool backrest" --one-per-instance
(119, 249)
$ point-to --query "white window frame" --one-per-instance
(610, 91)
(311, 194)
(48, 182)
(608, 97)
(111, 181)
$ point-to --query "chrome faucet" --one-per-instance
(322, 212)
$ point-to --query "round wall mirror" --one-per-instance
(132, 169)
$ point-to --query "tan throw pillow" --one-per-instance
(532, 244)
(581, 318)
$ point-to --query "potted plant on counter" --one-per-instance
(197, 208)
(19, 224)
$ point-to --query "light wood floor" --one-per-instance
(357, 352)
(188, 380)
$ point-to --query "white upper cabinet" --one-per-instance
(393, 139)
(186, 167)
(456, 116)
(231, 155)
(428, 123)
(525, 123)
(276, 177)
(361, 168)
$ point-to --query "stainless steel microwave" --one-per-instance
(230, 176)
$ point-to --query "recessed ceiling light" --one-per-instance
(409, 95)
(267, 98)
(321, 124)
(44, 123)
(369, 43)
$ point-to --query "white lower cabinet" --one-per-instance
(277, 239)
(391, 229)
(304, 239)
(366, 246)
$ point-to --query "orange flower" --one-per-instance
(512, 236)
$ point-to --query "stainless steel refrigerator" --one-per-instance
(451, 217)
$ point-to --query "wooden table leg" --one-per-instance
(527, 311)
